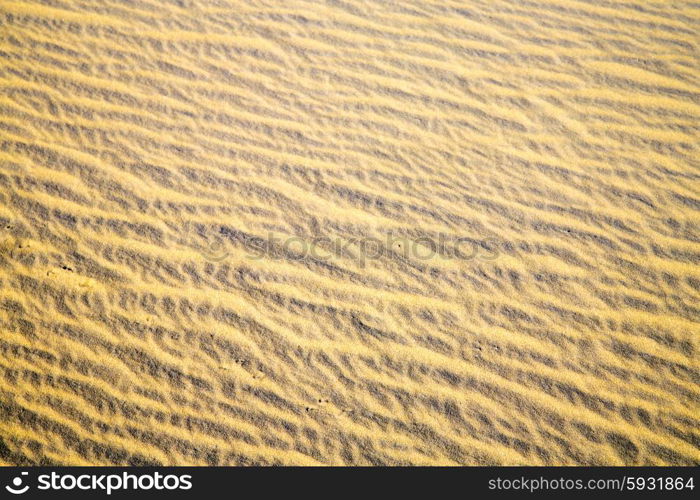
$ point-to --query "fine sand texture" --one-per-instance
(349, 232)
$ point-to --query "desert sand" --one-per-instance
(349, 232)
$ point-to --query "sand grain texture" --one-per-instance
(147, 146)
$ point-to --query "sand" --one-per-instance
(349, 232)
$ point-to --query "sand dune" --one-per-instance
(349, 232)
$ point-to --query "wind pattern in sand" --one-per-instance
(149, 148)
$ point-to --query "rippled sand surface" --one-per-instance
(349, 232)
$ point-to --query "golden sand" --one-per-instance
(228, 232)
